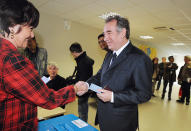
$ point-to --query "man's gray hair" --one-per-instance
(121, 23)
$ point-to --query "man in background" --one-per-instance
(102, 43)
(169, 77)
(37, 55)
(162, 71)
(84, 70)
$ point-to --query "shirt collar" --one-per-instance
(121, 49)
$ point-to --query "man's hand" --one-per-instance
(105, 95)
(81, 88)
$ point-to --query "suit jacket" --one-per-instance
(130, 78)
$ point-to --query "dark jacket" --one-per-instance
(162, 69)
(170, 72)
(130, 78)
(57, 83)
(184, 73)
(84, 67)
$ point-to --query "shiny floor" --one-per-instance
(155, 115)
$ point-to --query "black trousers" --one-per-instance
(185, 91)
(170, 88)
(159, 81)
(83, 107)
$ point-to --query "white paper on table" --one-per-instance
(95, 88)
(45, 79)
(79, 123)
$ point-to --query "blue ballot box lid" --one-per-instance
(65, 123)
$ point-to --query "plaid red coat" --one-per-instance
(21, 91)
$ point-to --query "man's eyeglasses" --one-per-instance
(101, 41)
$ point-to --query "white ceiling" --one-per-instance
(144, 16)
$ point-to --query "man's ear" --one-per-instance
(15, 29)
(123, 32)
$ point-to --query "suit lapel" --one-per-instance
(107, 62)
(123, 55)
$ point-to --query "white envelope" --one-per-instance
(95, 88)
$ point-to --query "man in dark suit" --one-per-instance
(169, 77)
(103, 46)
(126, 79)
(162, 71)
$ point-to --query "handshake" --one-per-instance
(81, 88)
(103, 94)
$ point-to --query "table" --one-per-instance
(46, 114)
(65, 123)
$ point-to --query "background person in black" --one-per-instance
(169, 77)
(84, 72)
(162, 70)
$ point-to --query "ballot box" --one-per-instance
(65, 123)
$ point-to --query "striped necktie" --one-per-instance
(114, 56)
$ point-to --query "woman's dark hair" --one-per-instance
(14, 12)
(153, 60)
(75, 47)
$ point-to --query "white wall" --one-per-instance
(51, 35)
(177, 51)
